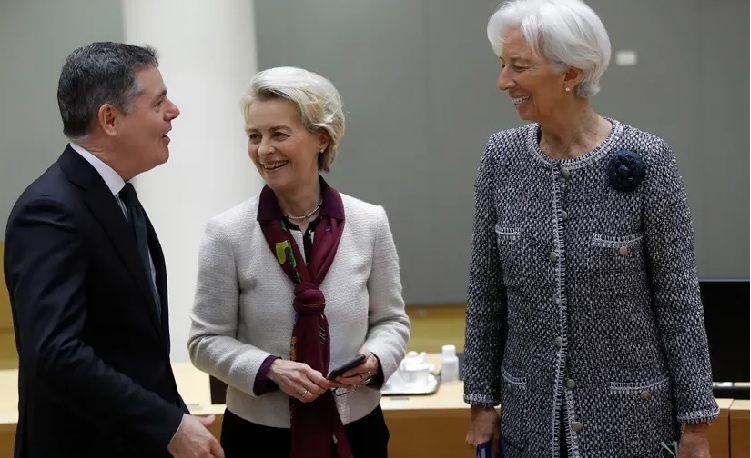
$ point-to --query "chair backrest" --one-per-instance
(8, 355)
(218, 390)
(726, 318)
(6, 319)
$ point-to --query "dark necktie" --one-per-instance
(137, 220)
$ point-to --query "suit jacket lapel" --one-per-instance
(107, 211)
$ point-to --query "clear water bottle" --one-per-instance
(449, 364)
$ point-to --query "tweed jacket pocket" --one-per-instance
(645, 414)
(618, 251)
(618, 262)
(514, 251)
(514, 410)
(506, 234)
(617, 241)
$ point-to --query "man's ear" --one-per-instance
(108, 119)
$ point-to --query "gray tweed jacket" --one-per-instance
(583, 300)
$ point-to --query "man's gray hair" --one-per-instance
(98, 74)
(317, 100)
(565, 32)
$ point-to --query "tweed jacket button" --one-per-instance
(577, 426)
(570, 384)
(553, 256)
(565, 172)
(558, 341)
(623, 251)
(564, 215)
(645, 395)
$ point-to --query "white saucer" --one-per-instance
(395, 386)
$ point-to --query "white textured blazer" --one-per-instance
(243, 308)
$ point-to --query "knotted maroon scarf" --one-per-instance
(315, 425)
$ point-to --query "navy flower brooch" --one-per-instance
(626, 170)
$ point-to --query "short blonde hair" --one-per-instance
(317, 100)
(565, 32)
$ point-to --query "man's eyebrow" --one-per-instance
(162, 93)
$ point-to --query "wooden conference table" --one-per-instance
(421, 426)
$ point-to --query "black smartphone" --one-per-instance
(354, 362)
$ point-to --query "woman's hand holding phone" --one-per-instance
(357, 375)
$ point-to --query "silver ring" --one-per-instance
(305, 394)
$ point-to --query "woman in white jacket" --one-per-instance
(297, 281)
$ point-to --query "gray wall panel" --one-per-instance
(35, 37)
(374, 53)
(464, 109)
(721, 186)
(418, 82)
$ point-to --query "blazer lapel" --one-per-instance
(107, 211)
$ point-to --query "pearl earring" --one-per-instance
(568, 89)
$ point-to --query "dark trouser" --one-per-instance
(368, 438)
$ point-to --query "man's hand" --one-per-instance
(298, 380)
(484, 426)
(193, 440)
(694, 442)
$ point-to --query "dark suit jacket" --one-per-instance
(94, 373)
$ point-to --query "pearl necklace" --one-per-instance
(304, 217)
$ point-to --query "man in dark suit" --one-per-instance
(87, 279)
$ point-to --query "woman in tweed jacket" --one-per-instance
(295, 282)
(584, 319)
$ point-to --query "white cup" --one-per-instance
(414, 373)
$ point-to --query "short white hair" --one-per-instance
(565, 32)
(317, 100)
